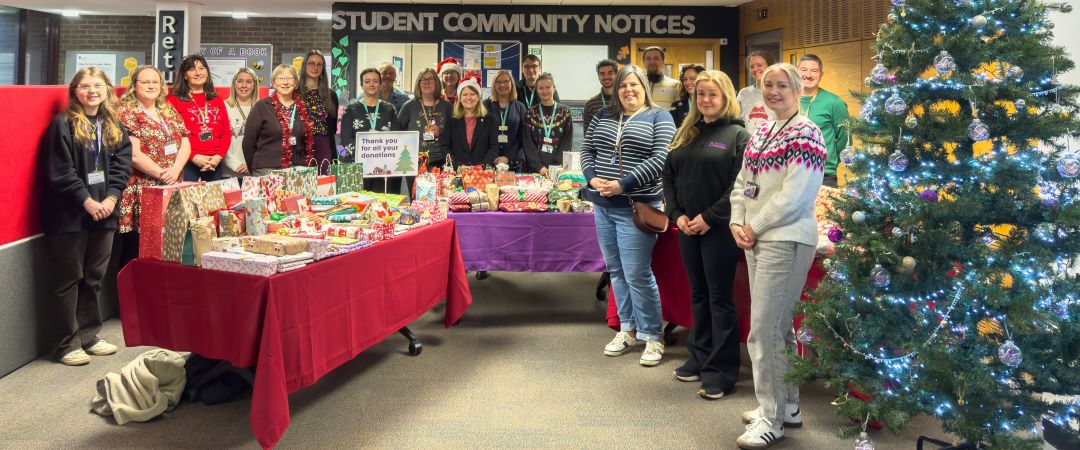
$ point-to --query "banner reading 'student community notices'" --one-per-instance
(388, 153)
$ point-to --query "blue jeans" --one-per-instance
(194, 173)
(628, 256)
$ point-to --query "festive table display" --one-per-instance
(261, 226)
(478, 189)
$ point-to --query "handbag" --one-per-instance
(646, 218)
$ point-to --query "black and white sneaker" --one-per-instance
(792, 415)
(760, 434)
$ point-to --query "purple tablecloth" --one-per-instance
(529, 242)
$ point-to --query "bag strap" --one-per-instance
(618, 148)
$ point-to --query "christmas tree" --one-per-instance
(404, 163)
(950, 292)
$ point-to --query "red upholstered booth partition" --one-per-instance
(23, 121)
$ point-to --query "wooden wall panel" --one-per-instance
(843, 70)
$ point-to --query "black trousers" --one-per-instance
(129, 248)
(710, 262)
(79, 263)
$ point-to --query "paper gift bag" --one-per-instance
(262, 188)
(349, 177)
(299, 180)
(255, 216)
(426, 189)
(571, 160)
(492, 191)
(174, 232)
(233, 197)
(326, 186)
(202, 235)
(154, 201)
(229, 222)
(227, 184)
(200, 201)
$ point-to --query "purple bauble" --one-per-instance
(836, 235)
(929, 195)
(892, 79)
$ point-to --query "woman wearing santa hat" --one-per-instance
(470, 137)
(451, 73)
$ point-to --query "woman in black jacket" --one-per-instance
(87, 162)
(471, 137)
(705, 158)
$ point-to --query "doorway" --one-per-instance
(679, 53)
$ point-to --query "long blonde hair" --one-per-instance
(688, 132)
(459, 110)
(76, 116)
(161, 102)
(513, 86)
(231, 101)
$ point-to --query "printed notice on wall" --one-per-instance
(104, 61)
(492, 56)
(388, 153)
(472, 56)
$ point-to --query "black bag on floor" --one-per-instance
(214, 381)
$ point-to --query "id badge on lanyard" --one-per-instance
(96, 176)
(503, 138)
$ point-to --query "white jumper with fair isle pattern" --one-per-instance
(787, 166)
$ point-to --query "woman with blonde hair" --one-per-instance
(159, 148)
(772, 220)
(470, 137)
(86, 159)
(279, 132)
(510, 115)
(701, 167)
(243, 93)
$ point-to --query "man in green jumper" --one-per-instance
(826, 110)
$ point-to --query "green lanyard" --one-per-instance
(292, 116)
(602, 99)
(504, 111)
(548, 123)
(372, 120)
(532, 94)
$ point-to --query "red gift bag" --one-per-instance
(153, 201)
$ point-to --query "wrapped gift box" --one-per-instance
(229, 222)
(317, 248)
(523, 196)
(523, 206)
(246, 263)
(203, 232)
(349, 231)
(274, 244)
(326, 186)
(381, 231)
(221, 244)
(152, 217)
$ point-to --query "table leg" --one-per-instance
(414, 343)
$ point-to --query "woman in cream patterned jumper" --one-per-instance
(772, 219)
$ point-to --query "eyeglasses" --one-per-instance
(283, 79)
(149, 82)
(315, 64)
(87, 87)
(427, 80)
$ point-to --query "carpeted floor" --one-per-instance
(524, 369)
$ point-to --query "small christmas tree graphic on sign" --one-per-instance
(404, 163)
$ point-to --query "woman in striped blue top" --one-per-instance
(624, 152)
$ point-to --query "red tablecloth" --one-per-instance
(674, 288)
(297, 326)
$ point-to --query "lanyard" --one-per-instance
(161, 118)
(532, 94)
(810, 105)
(502, 114)
(373, 119)
(240, 108)
(550, 122)
(603, 100)
(203, 112)
(96, 151)
(427, 113)
(292, 116)
(619, 130)
(769, 139)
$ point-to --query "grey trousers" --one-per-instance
(777, 273)
(79, 263)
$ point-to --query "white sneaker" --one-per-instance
(101, 348)
(792, 415)
(75, 358)
(760, 434)
(654, 350)
(622, 343)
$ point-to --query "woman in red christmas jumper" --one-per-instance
(279, 132)
(205, 117)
